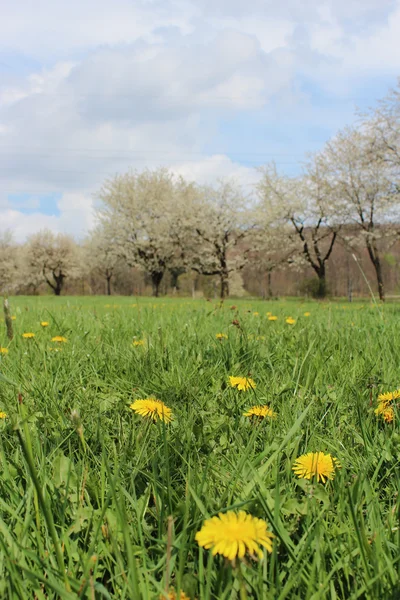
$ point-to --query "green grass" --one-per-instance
(85, 502)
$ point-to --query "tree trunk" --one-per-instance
(174, 280)
(59, 279)
(321, 289)
(376, 261)
(109, 285)
(224, 286)
(269, 280)
(156, 278)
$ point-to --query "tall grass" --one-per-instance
(96, 502)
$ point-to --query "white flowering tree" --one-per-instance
(365, 190)
(145, 214)
(305, 204)
(222, 225)
(51, 258)
(101, 256)
(383, 125)
(9, 262)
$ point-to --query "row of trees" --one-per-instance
(348, 193)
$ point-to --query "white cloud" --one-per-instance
(154, 82)
(76, 218)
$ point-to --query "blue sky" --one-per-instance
(211, 89)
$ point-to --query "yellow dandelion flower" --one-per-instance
(290, 321)
(242, 383)
(307, 314)
(13, 317)
(28, 336)
(138, 343)
(269, 313)
(256, 314)
(387, 397)
(235, 534)
(59, 339)
(388, 414)
(44, 323)
(260, 412)
(272, 318)
(3, 350)
(153, 409)
(316, 464)
(385, 405)
(260, 338)
(3, 415)
(221, 336)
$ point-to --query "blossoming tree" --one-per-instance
(305, 204)
(145, 216)
(52, 258)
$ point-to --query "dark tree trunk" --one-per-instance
(108, 285)
(156, 278)
(269, 280)
(376, 261)
(321, 289)
(59, 279)
(224, 286)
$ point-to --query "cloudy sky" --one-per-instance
(209, 88)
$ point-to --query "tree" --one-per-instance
(102, 256)
(273, 247)
(365, 192)
(145, 214)
(382, 124)
(9, 262)
(304, 203)
(53, 258)
(221, 223)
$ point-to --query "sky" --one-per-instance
(211, 89)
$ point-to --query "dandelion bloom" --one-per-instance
(138, 343)
(153, 409)
(3, 415)
(272, 318)
(316, 464)
(290, 321)
(233, 534)
(59, 338)
(269, 313)
(385, 405)
(256, 314)
(44, 323)
(260, 412)
(388, 397)
(13, 317)
(29, 335)
(307, 314)
(388, 414)
(221, 336)
(242, 383)
(3, 350)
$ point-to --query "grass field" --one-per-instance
(100, 502)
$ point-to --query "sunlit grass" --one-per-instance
(88, 485)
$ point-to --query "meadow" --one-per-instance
(98, 501)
